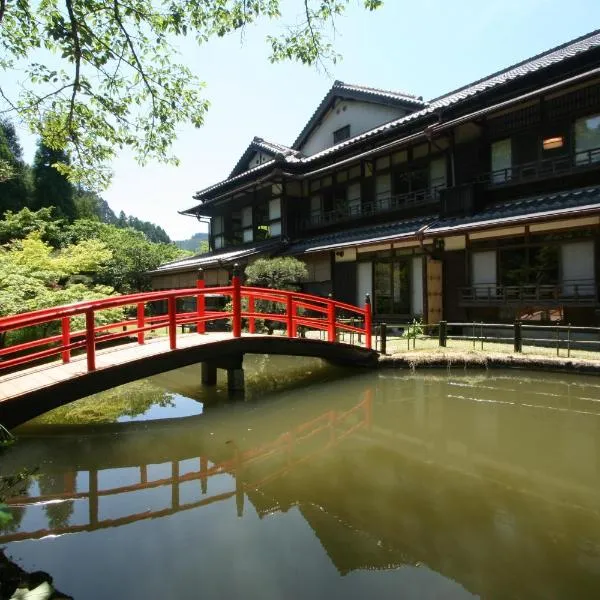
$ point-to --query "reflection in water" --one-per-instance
(412, 486)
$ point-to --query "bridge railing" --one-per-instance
(58, 336)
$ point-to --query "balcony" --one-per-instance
(580, 292)
(382, 205)
(544, 168)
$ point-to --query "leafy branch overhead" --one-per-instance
(100, 75)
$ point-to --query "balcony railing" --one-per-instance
(383, 204)
(547, 167)
(575, 292)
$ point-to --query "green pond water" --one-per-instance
(323, 483)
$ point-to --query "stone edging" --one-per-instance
(424, 360)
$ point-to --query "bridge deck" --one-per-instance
(24, 381)
(53, 384)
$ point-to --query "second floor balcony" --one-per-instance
(544, 168)
(388, 203)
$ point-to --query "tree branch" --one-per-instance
(77, 52)
(2, 9)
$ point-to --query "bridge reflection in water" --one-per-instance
(489, 483)
(273, 459)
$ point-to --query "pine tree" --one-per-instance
(51, 187)
(15, 189)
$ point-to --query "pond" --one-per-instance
(322, 484)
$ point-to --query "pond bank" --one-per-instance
(482, 360)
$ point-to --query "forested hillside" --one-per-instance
(60, 244)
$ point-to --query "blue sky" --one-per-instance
(427, 48)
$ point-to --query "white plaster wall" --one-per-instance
(361, 116)
(417, 286)
(364, 281)
(258, 159)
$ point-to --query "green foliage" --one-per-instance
(16, 226)
(284, 273)
(52, 188)
(15, 184)
(198, 243)
(132, 254)
(100, 75)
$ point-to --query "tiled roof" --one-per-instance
(258, 144)
(226, 256)
(356, 92)
(578, 201)
(539, 62)
(361, 235)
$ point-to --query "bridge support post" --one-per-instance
(235, 379)
(368, 322)
(140, 322)
(209, 373)
(200, 302)
(236, 303)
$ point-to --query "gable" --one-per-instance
(259, 158)
(360, 116)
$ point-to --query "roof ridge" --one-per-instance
(518, 64)
(338, 83)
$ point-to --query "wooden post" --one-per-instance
(330, 320)
(140, 322)
(93, 498)
(518, 341)
(175, 484)
(203, 475)
(65, 324)
(368, 322)
(289, 310)
(251, 309)
(383, 336)
(443, 334)
(200, 302)
(236, 301)
(172, 307)
(90, 340)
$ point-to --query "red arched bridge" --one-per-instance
(99, 346)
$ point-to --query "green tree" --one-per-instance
(52, 188)
(15, 189)
(133, 255)
(33, 275)
(101, 75)
(283, 273)
(17, 226)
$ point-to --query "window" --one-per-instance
(383, 189)
(553, 143)
(501, 161)
(339, 135)
(247, 224)
(217, 229)
(437, 173)
(392, 287)
(587, 140)
(315, 209)
(353, 199)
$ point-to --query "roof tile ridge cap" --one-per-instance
(587, 36)
(369, 88)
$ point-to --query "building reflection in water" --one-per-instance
(493, 488)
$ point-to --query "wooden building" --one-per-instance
(481, 204)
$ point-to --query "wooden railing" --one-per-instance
(383, 204)
(293, 309)
(546, 167)
(582, 291)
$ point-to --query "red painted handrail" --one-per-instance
(294, 309)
